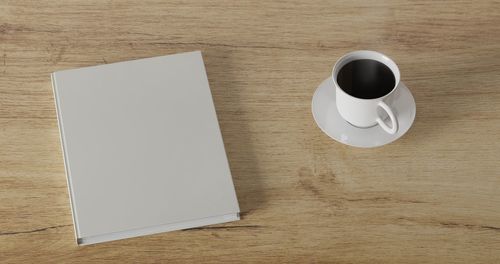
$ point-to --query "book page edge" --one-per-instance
(81, 241)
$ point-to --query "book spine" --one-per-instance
(63, 149)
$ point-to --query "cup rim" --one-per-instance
(369, 54)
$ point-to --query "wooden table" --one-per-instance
(432, 196)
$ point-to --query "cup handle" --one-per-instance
(394, 128)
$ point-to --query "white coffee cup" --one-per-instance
(366, 112)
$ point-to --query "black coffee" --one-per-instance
(366, 79)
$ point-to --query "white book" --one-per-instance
(142, 148)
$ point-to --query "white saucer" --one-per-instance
(327, 117)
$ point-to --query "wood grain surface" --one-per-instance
(431, 197)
